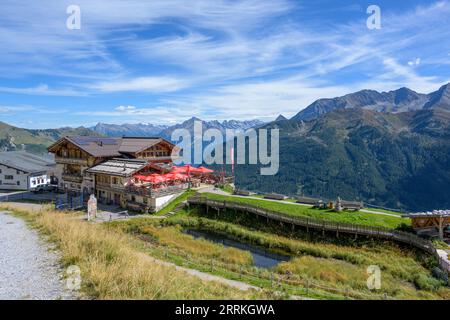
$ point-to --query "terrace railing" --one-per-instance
(148, 192)
(324, 225)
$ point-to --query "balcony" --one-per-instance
(65, 160)
(72, 177)
(110, 186)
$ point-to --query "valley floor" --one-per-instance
(168, 263)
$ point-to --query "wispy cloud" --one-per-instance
(43, 89)
(222, 58)
(143, 84)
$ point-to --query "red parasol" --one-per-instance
(178, 169)
(176, 176)
(204, 170)
(155, 178)
(140, 177)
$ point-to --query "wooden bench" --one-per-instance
(352, 205)
(274, 196)
(241, 192)
(307, 200)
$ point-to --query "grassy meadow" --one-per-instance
(355, 217)
(117, 258)
(318, 269)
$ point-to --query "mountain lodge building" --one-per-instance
(106, 167)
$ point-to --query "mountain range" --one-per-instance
(384, 148)
(401, 100)
(35, 141)
(165, 131)
(390, 149)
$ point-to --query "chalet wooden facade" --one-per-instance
(75, 155)
(115, 184)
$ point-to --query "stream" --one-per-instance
(262, 258)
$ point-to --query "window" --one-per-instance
(17, 171)
(9, 177)
(1, 182)
(0, 170)
(18, 183)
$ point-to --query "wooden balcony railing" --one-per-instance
(67, 160)
(72, 177)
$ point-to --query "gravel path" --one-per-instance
(28, 266)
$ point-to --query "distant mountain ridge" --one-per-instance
(400, 100)
(35, 140)
(165, 131)
(397, 160)
(128, 129)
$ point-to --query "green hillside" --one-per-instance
(396, 160)
(35, 141)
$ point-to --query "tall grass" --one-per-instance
(112, 266)
(172, 237)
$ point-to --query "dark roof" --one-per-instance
(95, 146)
(133, 145)
(25, 161)
(119, 167)
(111, 147)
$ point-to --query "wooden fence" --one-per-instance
(325, 225)
(14, 196)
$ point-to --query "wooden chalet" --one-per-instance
(432, 220)
(75, 154)
(115, 184)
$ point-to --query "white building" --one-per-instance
(20, 170)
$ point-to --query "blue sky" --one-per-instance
(163, 61)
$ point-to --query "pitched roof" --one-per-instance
(119, 167)
(95, 146)
(25, 161)
(111, 147)
(133, 145)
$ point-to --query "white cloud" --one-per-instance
(237, 58)
(43, 89)
(125, 108)
(144, 84)
(154, 114)
(414, 62)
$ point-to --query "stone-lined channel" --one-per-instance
(261, 258)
